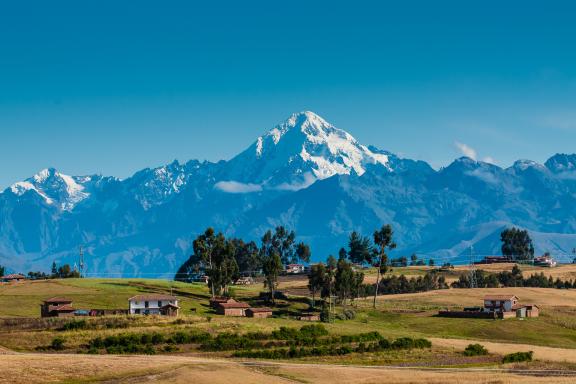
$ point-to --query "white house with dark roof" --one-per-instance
(154, 304)
(500, 303)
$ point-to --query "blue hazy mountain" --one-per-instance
(305, 174)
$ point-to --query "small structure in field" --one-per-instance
(57, 307)
(247, 280)
(232, 308)
(500, 303)
(13, 277)
(258, 312)
(294, 269)
(495, 260)
(545, 260)
(309, 317)
(108, 312)
(496, 307)
(157, 304)
(216, 301)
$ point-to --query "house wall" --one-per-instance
(498, 305)
(153, 306)
(238, 312)
(260, 315)
(507, 315)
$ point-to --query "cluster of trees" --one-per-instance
(513, 278)
(401, 284)
(414, 260)
(335, 278)
(517, 244)
(339, 277)
(224, 260)
(63, 272)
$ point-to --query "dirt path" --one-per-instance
(51, 368)
(540, 353)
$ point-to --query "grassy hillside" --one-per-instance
(396, 315)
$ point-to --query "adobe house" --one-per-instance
(57, 307)
(259, 312)
(232, 309)
(496, 307)
(12, 277)
(155, 304)
(309, 317)
(507, 306)
(216, 301)
(500, 303)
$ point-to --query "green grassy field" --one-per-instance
(396, 316)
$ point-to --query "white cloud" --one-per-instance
(309, 179)
(237, 187)
(466, 150)
(489, 160)
(484, 176)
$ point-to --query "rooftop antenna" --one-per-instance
(473, 282)
(81, 261)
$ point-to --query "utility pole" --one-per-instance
(81, 261)
(473, 281)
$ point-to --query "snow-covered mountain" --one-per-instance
(305, 174)
(296, 153)
(56, 188)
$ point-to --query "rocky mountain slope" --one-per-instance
(305, 174)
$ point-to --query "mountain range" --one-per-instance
(305, 174)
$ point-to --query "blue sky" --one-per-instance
(112, 87)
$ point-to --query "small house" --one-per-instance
(232, 309)
(294, 269)
(57, 307)
(532, 310)
(259, 312)
(309, 317)
(500, 303)
(216, 301)
(156, 304)
(12, 278)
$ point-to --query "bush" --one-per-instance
(409, 343)
(325, 315)
(475, 350)
(74, 325)
(517, 357)
(57, 343)
(350, 314)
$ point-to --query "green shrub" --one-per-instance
(74, 325)
(517, 357)
(409, 343)
(349, 314)
(475, 350)
(57, 343)
(341, 316)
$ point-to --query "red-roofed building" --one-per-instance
(259, 312)
(56, 307)
(12, 277)
(232, 309)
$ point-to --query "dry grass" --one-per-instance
(41, 368)
(562, 355)
(544, 297)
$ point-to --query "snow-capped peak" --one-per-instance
(300, 150)
(55, 188)
(523, 165)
